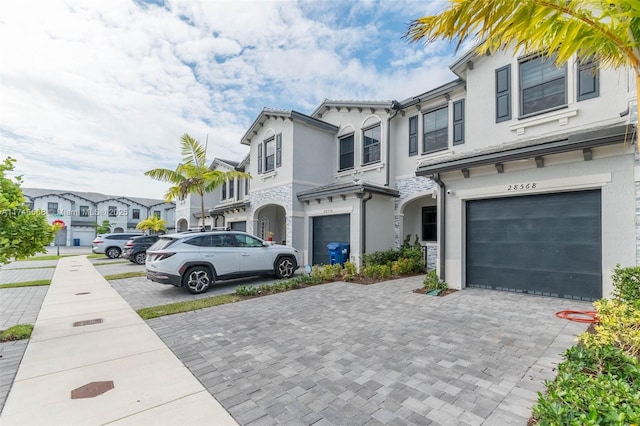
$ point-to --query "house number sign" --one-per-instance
(522, 186)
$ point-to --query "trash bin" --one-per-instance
(76, 242)
(338, 253)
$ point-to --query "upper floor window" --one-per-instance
(52, 208)
(246, 187)
(270, 154)
(371, 145)
(29, 205)
(346, 153)
(84, 211)
(156, 213)
(542, 85)
(231, 188)
(224, 191)
(135, 214)
(112, 211)
(588, 79)
(413, 136)
(436, 130)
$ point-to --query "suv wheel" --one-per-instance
(285, 267)
(113, 252)
(197, 280)
(140, 257)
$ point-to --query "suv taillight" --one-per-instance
(162, 256)
(97, 241)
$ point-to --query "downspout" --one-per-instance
(394, 106)
(363, 221)
(441, 223)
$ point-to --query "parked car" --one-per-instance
(136, 248)
(112, 244)
(195, 261)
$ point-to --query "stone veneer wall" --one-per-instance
(280, 195)
(408, 187)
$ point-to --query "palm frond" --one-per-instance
(165, 175)
(192, 151)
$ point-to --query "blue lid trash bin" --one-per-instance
(76, 242)
(338, 253)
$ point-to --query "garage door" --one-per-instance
(328, 229)
(541, 244)
(238, 226)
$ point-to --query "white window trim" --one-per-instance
(561, 116)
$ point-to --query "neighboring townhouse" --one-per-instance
(537, 174)
(225, 206)
(82, 211)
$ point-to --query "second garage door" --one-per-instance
(329, 229)
(547, 244)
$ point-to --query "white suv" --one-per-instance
(195, 260)
(112, 244)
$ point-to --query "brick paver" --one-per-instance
(350, 354)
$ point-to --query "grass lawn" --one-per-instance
(49, 257)
(34, 267)
(125, 275)
(26, 284)
(97, 256)
(118, 262)
(17, 332)
(186, 306)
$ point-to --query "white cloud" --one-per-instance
(92, 94)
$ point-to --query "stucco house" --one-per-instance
(517, 175)
(81, 211)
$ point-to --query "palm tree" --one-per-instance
(193, 176)
(607, 31)
(153, 223)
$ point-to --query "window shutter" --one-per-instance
(503, 94)
(458, 122)
(278, 149)
(259, 158)
(413, 136)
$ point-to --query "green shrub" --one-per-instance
(17, 332)
(244, 290)
(350, 268)
(595, 386)
(619, 325)
(380, 257)
(433, 282)
(626, 283)
(376, 271)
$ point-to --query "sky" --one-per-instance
(95, 93)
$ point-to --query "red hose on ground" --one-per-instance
(578, 316)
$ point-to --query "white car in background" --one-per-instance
(111, 244)
(196, 260)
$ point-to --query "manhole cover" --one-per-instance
(87, 322)
(73, 270)
(83, 293)
(92, 389)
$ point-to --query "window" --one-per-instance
(246, 187)
(346, 153)
(259, 158)
(458, 122)
(269, 155)
(52, 208)
(29, 205)
(542, 85)
(436, 130)
(413, 136)
(135, 214)
(588, 79)
(224, 191)
(429, 223)
(247, 241)
(503, 94)
(371, 145)
(112, 211)
(156, 213)
(232, 188)
(84, 211)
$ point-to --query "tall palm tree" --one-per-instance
(193, 176)
(606, 30)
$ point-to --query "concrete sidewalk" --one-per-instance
(86, 333)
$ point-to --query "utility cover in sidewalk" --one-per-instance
(87, 322)
(92, 389)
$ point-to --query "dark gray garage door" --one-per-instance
(328, 229)
(238, 226)
(540, 244)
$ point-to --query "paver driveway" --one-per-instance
(347, 354)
